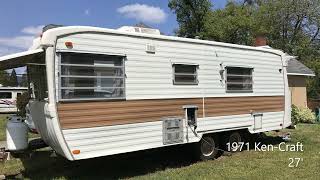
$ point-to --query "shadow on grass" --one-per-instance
(270, 140)
(41, 166)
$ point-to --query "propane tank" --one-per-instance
(17, 134)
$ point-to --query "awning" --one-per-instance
(21, 59)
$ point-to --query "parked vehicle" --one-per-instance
(8, 98)
(99, 92)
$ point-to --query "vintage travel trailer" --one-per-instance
(98, 92)
(8, 98)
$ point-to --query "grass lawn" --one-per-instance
(3, 123)
(175, 163)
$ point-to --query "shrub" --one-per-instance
(302, 115)
(294, 114)
(22, 102)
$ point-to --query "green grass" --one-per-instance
(175, 163)
(3, 123)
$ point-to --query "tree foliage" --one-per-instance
(4, 78)
(290, 25)
(13, 80)
(22, 102)
(190, 15)
(233, 24)
(313, 83)
(24, 80)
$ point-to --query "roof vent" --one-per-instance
(150, 48)
(50, 26)
(139, 30)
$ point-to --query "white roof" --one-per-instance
(49, 37)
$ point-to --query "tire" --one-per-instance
(233, 137)
(207, 148)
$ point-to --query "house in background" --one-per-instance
(297, 76)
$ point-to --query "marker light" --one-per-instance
(69, 44)
(77, 151)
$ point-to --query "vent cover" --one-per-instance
(150, 48)
(172, 131)
(140, 30)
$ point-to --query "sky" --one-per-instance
(21, 21)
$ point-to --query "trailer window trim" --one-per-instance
(96, 78)
(194, 74)
(246, 82)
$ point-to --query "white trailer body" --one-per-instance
(105, 92)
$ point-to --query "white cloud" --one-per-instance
(87, 12)
(7, 50)
(143, 12)
(15, 44)
(32, 30)
(22, 42)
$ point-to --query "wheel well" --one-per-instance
(222, 136)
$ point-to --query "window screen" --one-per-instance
(5, 95)
(91, 76)
(239, 79)
(185, 74)
(38, 81)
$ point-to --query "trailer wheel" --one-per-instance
(207, 148)
(233, 140)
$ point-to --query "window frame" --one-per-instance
(60, 76)
(9, 92)
(38, 91)
(182, 83)
(236, 75)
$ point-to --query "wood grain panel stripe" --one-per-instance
(94, 114)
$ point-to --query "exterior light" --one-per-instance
(69, 44)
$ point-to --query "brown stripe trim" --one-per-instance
(94, 114)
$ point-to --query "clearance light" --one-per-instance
(77, 151)
(69, 44)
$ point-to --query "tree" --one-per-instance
(4, 78)
(24, 80)
(290, 25)
(233, 24)
(13, 80)
(313, 84)
(190, 16)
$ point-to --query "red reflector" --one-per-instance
(69, 44)
(76, 151)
